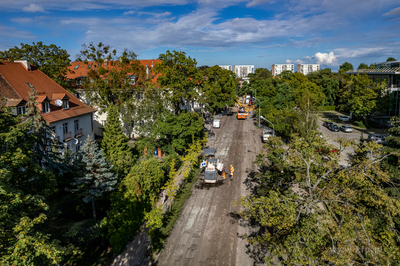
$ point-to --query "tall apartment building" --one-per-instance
(307, 68)
(227, 67)
(242, 71)
(279, 68)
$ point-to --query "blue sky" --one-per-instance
(224, 32)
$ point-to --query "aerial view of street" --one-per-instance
(208, 231)
(177, 132)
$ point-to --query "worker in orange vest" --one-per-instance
(223, 173)
(232, 170)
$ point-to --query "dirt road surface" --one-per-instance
(208, 231)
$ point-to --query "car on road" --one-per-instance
(217, 123)
(346, 128)
(333, 127)
(344, 118)
(327, 123)
(267, 133)
(377, 139)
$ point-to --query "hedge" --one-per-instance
(329, 108)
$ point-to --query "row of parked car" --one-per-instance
(333, 127)
(346, 128)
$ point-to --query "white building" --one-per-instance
(279, 68)
(242, 71)
(226, 67)
(70, 119)
(307, 68)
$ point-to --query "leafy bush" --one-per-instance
(171, 216)
(329, 108)
(359, 124)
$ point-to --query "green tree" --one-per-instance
(180, 78)
(346, 66)
(50, 59)
(22, 201)
(97, 177)
(361, 95)
(312, 211)
(362, 66)
(391, 59)
(220, 88)
(177, 132)
(115, 144)
(133, 198)
(329, 82)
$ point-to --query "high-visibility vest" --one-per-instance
(232, 169)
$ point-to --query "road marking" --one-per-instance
(223, 152)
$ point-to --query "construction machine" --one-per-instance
(242, 113)
(211, 166)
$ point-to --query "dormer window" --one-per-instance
(65, 104)
(46, 107)
(76, 67)
(21, 110)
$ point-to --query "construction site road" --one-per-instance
(209, 232)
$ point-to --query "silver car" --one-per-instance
(346, 128)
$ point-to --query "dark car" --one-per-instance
(333, 127)
(327, 123)
(377, 139)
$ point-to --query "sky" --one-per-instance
(214, 32)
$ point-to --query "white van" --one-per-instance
(217, 123)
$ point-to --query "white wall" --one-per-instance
(84, 122)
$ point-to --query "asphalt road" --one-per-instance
(208, 231)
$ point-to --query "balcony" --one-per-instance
(67, 136)
(78, 132)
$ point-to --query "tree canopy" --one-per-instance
(346, 66)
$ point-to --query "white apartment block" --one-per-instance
(227, 67)
(242, 71)
(307, 68)
(279, 68)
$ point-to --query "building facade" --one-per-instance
(226, 67)
(391, 77)
(242, 71)
(307, 68)
(70, 119)
(279, 68)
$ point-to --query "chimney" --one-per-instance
(25, 63)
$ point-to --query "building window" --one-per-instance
(65, 128)
(65, 104)
(76, 125)
(54, 128)
(77, 95)
(132, 123)
(46, 107)
(76, 67)
(21, 110)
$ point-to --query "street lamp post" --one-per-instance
(259, 114)
(273, 127)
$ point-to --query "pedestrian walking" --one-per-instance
(232, 170)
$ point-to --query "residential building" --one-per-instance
(279, 68)
(391, 77)
(242, 71)
(70, 119)
(242, 80)
(307, 68)
(77, 75)
(227, 67)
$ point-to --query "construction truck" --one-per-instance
(242, 113)
(211, 166)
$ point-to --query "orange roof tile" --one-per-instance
(81, 69)
(42, 98)
(15, 83)
(59, 96)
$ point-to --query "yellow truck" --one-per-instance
(242, 113)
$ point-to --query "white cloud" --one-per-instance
(298, 61)
(393, 12)
(326, 59)
(33, 8)
(21, 20)
(256, 2)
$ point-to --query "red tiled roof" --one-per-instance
(59, 96)
(42, 98)
(83, 70)
(16, 78)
